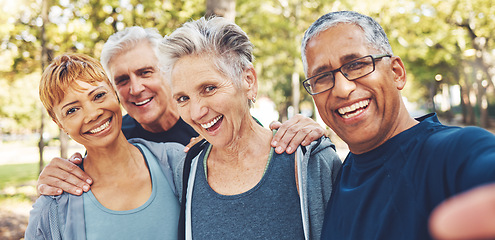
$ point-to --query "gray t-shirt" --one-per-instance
(270, 210)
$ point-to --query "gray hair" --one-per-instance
(126, 39)
(373, 32)
(217, 38)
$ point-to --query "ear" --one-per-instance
(251, 82)
(399, 72)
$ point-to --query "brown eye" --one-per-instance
(357, 65)
(100, 95)
(182, 99)
(70, 111)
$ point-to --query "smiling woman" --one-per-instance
(238, 185)
(123, 202)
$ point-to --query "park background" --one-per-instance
(447, 47)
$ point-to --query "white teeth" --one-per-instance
(208, 125)
(100, 128)
(143, 102)
(346, 111)
(353, 114)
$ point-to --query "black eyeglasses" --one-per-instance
(352, 70)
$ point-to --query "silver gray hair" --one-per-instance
(373, 32)
(126, 39)
(225, 43)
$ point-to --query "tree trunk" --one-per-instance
(296, 93)
(482, 103)
(221, 8)
(482, 62)
(44, 63)
(466, 99)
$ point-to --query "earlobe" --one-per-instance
(399, 72)
(251, 80)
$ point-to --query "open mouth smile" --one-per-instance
(101, 127)
(143, 102)
(211, 123)
(354, 109)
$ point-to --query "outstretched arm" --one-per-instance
(63, 175)
(470, 215)
(298, 130)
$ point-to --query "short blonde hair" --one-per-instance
(62, 73)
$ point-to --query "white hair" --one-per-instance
(225, 43)
(373, 32)
(126, 39)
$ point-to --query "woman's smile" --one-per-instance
(213, 124)
(100, 128)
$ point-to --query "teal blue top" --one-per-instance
(62, 217)
(161, 209)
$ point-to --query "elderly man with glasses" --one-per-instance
(399, 168)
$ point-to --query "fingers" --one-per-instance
(193, 142)
(283, 136)
(470, 215)
(44, 189)
(299, 130)
(275, 125)
(76, 158)
(61, 174)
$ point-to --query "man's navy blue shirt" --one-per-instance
(389, 192)
(181, 132)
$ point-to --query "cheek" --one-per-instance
(184, 113)
(320, 103)
(121, 91)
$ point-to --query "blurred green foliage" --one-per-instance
(454, 38)
(18, 174)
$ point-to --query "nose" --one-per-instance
(198, 110)
(92, 113)
(343, 87)
(135, 86)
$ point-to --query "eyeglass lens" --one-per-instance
(351, 70)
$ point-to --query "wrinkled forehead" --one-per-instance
(127, 55)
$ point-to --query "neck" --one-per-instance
(167, 120)
(252, 141)
(113, 160)
(402, 122)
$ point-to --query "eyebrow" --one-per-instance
(89, 94)
(120, 78)
(345, 59)
(137, 71)
(68, 104)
